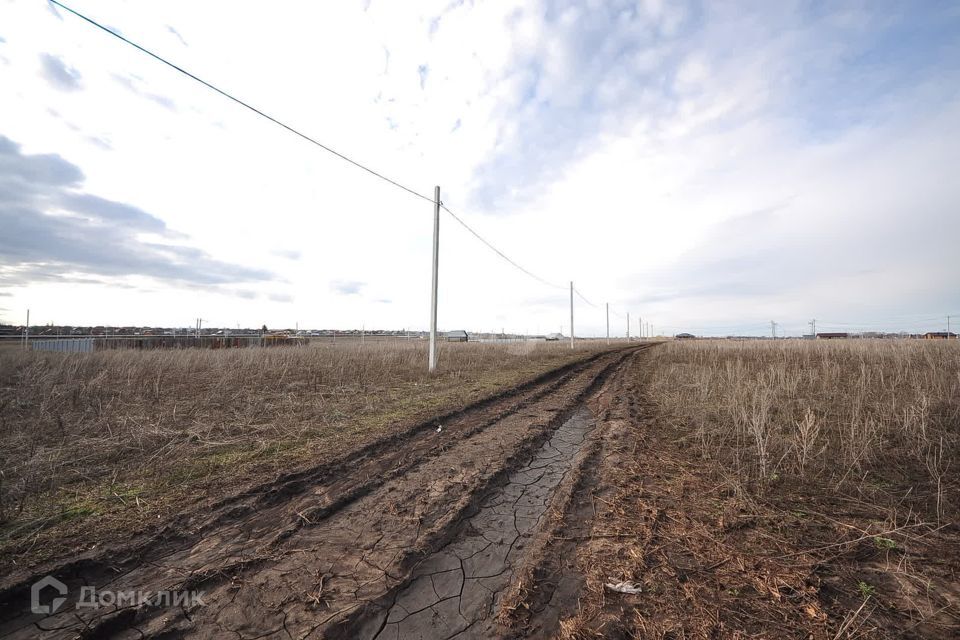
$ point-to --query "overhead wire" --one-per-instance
(498, 252)
(582, 297)
(243, 103)
(319, 144)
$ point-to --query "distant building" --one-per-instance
(832, 336)
(457, 336)
(939, 335)
(684, 336)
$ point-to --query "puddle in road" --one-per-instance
(459, 586)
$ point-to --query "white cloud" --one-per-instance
(617, 144)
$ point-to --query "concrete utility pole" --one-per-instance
(608, 323)
(571, 314)
(26, 332)
(628, 326)
(813, 328)
(640, 324)
(433, 287)
(773, 328)
(948, 327)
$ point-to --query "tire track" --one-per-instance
(311, 548)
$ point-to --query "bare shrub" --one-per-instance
(876, 413)
(805, 439)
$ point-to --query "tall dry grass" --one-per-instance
(870, 416)
(125, 423)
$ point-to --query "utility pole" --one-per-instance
(433, 286)
(608, 323)
(628, 326)
(571, 314)
(773, 328)
(813, 328)
(26, 332)
(948, 327)
(640, 324)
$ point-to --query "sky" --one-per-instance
(703, 166)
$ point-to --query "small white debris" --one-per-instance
(440, 428)
(623, 587)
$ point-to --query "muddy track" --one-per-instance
(322, 552)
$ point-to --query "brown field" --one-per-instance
(770, 489)
(95, 445)
(801, 489)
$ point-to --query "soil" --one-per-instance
(509, 518)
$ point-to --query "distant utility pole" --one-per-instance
(813, 328)
(608, 323)
(433, 286)
(640, 324)
(628, 326)
(26, 332)
(948, 327)
(571, 314)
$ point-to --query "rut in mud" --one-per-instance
(456, 592)
(341, 550)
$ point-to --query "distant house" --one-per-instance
(457, 336)
(832, 336)
(684, 336)
(939, 335)
(553, 336)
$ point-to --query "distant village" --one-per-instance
(8, 331)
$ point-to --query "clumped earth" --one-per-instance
(663, 491)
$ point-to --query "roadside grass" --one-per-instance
(832, 465)
(96, 446)
(878, 417)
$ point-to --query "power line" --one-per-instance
(242, 103)
(312, 140)
(498, 252)
(582, 297)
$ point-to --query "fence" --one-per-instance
(72, 345)
(88, 344)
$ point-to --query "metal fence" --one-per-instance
(88, 344)
(71, 345)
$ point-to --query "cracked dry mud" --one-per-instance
(418, 536)
(459, 587)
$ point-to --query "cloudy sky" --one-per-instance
(706, 166)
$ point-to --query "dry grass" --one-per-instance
(125, 437)
(876, 416)
(780, 489)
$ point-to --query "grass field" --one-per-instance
(808, 487)
(803, 489)
(881, 418)
(96, 445)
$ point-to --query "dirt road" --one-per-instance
(435, 533)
